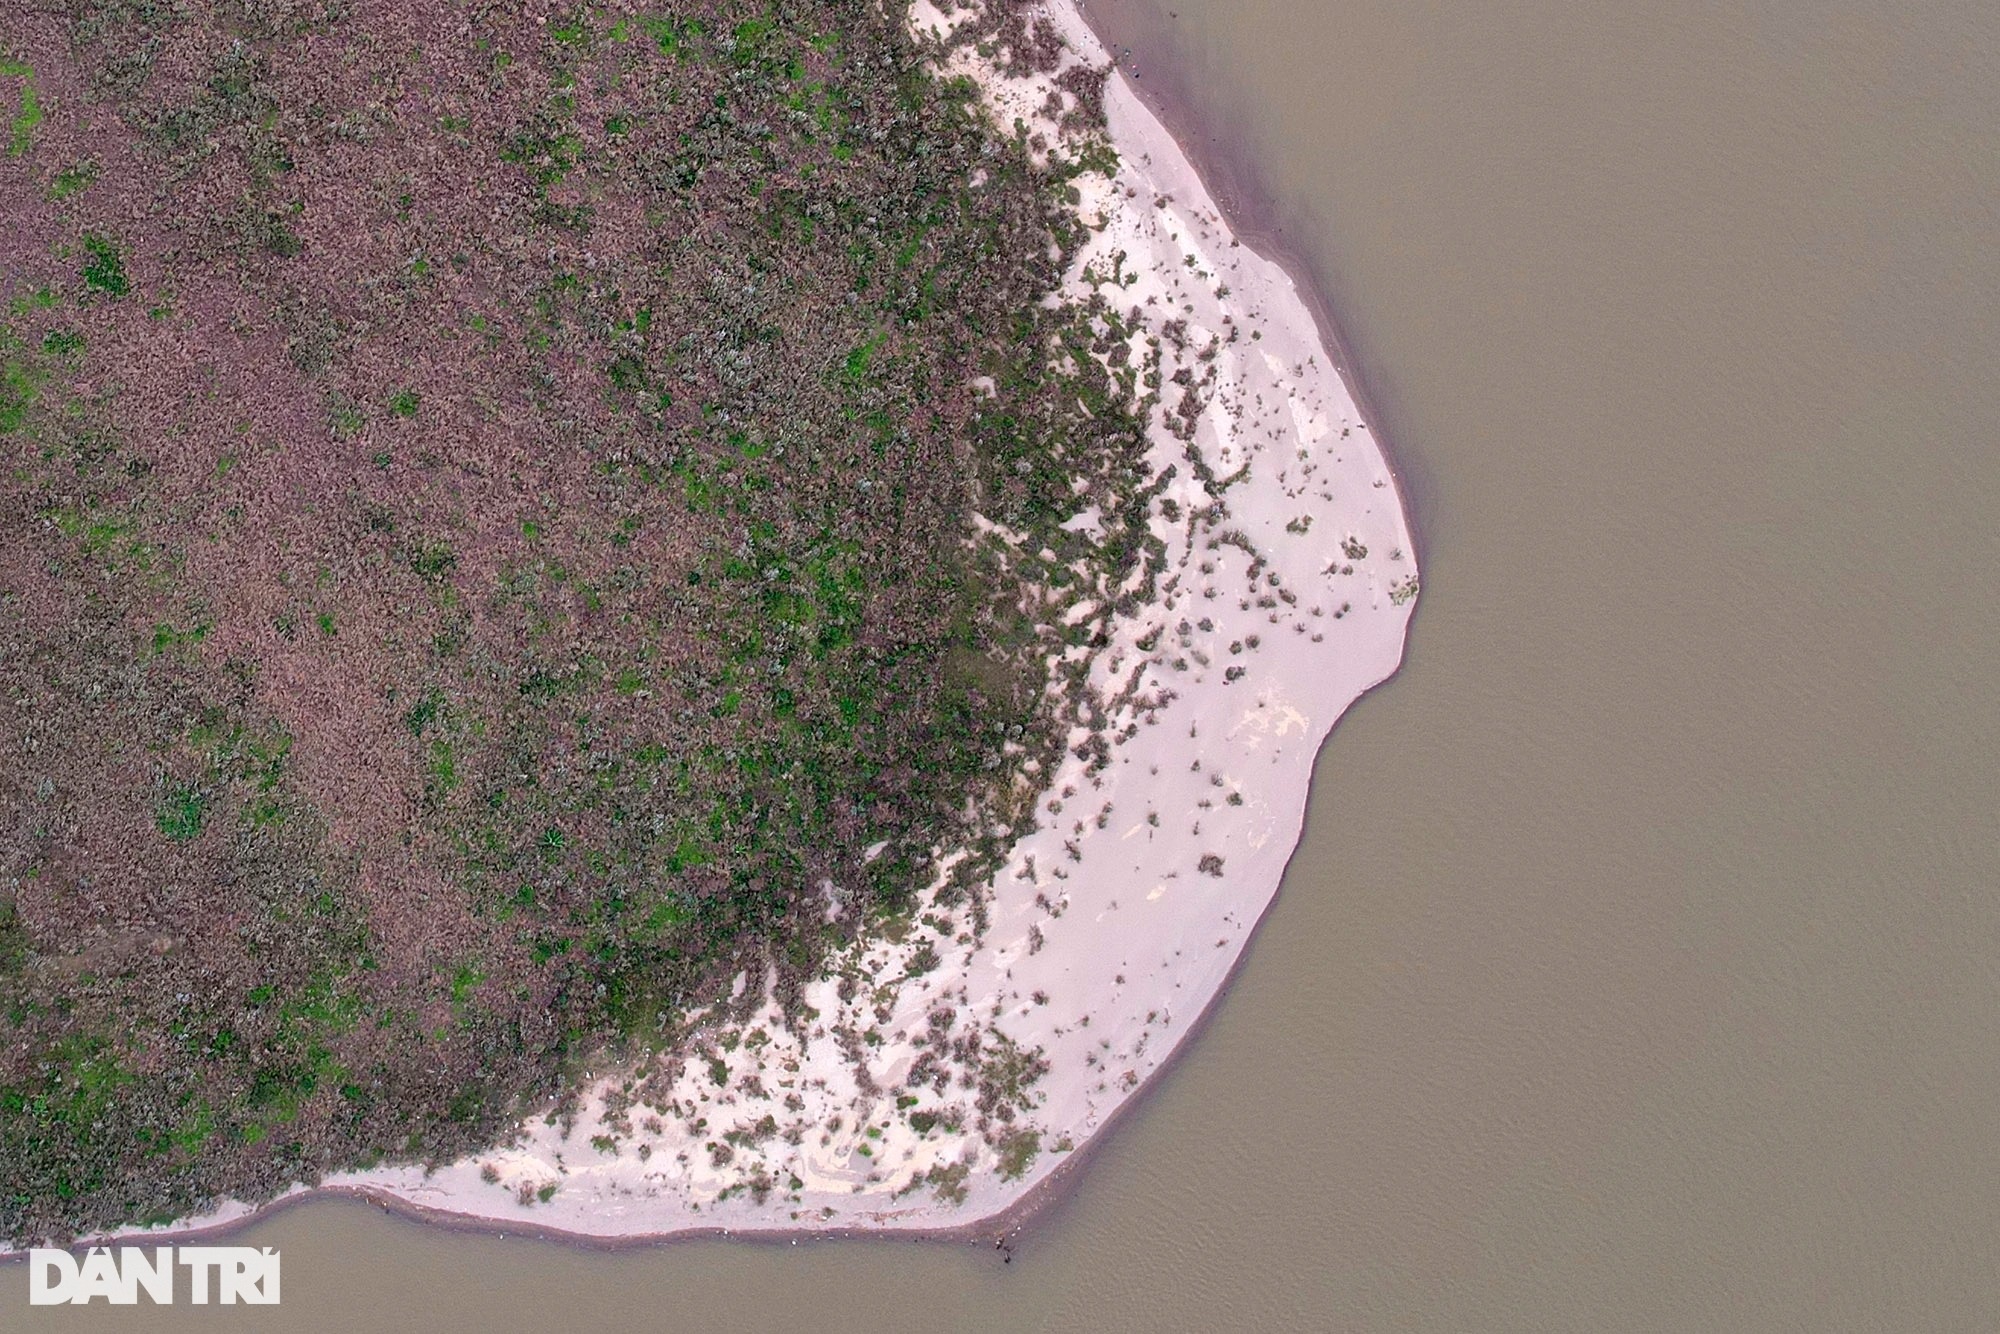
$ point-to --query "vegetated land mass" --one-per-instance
(488, 555)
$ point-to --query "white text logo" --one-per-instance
(225, 1275)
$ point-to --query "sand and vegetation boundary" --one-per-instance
(825, 888)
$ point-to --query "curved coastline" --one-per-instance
(1247, 203)
(993, 1213)
(998, 1229)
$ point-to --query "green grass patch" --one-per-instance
(104, 266)
(183, 813)
(28, 113)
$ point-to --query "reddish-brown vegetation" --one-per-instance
(485, 552)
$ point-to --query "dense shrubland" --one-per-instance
(488, 552)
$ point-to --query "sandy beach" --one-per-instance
(953, 1072)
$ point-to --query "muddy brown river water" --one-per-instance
(1659, 985)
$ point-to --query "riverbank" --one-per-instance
(953, 1073)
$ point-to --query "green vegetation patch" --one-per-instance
(28, 112)
(104, 266)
